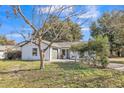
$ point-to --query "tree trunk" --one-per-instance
(42, 60)
(111, 53)
(41, 52)
(119, 52)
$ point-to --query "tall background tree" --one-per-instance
(110, 24)
(73, 34)
(5, 41)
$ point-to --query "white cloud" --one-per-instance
(54, 9)
(49, 8)
(92, 12)
(13, 35)
(27, 29)
(85, 29)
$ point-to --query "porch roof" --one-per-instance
(65, 44)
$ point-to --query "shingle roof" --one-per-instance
(57, 44)
(65, 44)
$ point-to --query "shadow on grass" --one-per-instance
(7, 60)
(16, 71)
(60, 67)
(71, 66)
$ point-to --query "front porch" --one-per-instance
(62, 54)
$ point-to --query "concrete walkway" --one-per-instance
(116, 59)
(116, 66)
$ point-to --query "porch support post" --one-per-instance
(50, 54)
(59, 53)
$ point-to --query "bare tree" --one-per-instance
(40, 16)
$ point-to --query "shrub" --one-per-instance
(13, 55)
(104, 61)
(102, 49)
(97, 51)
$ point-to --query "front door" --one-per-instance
(54, 53)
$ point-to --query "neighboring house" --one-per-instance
(57, 51)
(5, 48)
(118, 52)
(2, 56)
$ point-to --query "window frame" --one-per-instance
(34, 52)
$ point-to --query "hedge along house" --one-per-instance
(59, 51)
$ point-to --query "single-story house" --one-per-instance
(5, 48)
(2, 51)
(57, 51)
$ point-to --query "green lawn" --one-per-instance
(26, 74)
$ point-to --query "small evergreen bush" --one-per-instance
(97, 50)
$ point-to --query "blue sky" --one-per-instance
(11, 24)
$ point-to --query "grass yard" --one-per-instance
(26, 74)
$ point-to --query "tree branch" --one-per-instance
(26, 20)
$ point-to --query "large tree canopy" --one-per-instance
(72, 30)
(111, 24)
(52, 28)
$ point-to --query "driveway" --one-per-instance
(116, 66)
(116, 59)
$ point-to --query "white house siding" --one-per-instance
(2, 56)
(27, 52)
(59, 53)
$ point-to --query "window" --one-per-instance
(34, 52)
